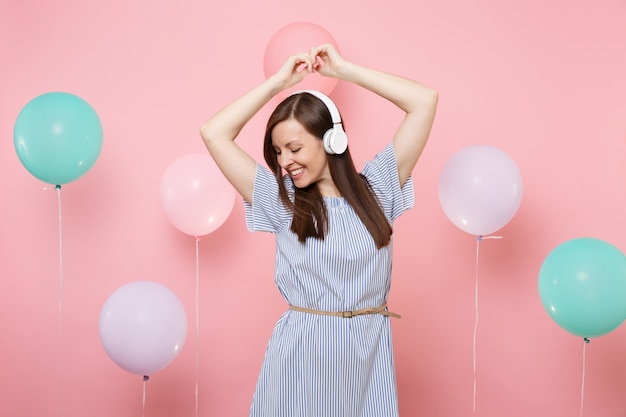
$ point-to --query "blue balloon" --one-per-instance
(582, 285)
(58, 137)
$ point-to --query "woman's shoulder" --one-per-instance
(265, 179)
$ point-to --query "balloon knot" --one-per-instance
(586, 340)
(145, 378)
(481, 237)
(57, 187)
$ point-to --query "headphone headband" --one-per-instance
(334, 112)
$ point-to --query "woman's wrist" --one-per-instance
(274, 85)
(347, 71)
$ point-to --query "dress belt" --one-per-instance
(349, 314)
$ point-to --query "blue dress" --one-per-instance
(326, 366)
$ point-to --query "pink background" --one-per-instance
(543, 80)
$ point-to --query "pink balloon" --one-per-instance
(480, 189)
(143, 327)
(293, 39)
(195, 196)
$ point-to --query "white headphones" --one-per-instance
(335, 139)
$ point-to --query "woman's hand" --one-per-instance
(327, 61)
(294, 70)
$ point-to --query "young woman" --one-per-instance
(330, 354)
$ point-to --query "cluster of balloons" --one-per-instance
(58, 137)
(143, 326)
(582, 282)
(480, 189)
(582, 286)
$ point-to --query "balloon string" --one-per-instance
(582, 390)
(60, 296)
(58, 189)
(143, 396)
(478, 239)
(197, 319)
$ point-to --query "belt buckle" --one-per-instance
(347, 314)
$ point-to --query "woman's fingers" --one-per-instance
(303, 61)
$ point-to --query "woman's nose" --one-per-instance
(284, 160)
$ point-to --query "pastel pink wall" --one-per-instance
(544, 81)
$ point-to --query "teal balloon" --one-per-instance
(582, 285)
(58, 137)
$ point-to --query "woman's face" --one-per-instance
(301, 154)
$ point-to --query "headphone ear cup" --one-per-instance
(339, 140)
(328, 141)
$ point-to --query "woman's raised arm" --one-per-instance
(416, 100)
(221, 130)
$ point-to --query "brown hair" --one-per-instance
(310, 218)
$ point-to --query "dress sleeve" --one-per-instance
(266, 213)
(382, 175)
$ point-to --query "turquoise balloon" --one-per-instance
(58, 137)
(582, 285)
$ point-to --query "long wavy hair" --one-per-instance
(310, 217)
